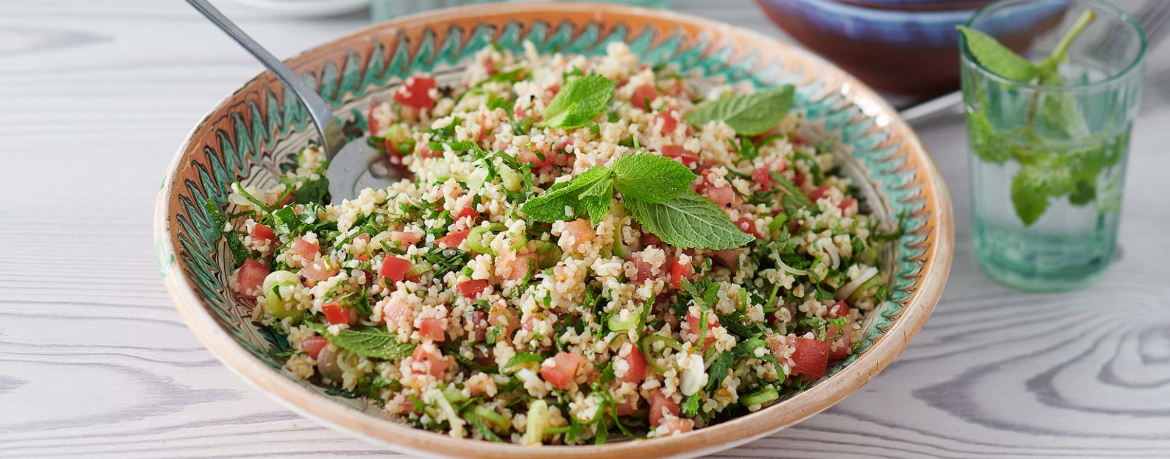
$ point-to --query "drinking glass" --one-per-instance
(1047, 163)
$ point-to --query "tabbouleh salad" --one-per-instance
(589, 247)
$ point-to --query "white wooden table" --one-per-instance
(95, 96)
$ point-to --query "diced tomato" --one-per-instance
(643, 96)
(471, 288)
(428, 359)
(798, 179)
(848, 206)
(679, 272)
(659, 405)
(722, 195)
(431, 328)
(560, 369)
(580, 230)
(251, 277)
(678, 425)
(307, 250)
(818, 193)
(626, 407)
(396, 311)
(312, 346)
(394, 268)
(637, 371)
(425, 152)
(727, 257)
(521, 265)
(839, 309)
(371, 121)
(336, 314)
(503, 317)
(468, 211)
(797, 140)
(416, 92)
(748, 225)
(681, 155)
(262, 232)
(452, 241)
(645, 269)
(405, 237)
(811, 358)
(669, 122)
(318, 271)
(693, 321)
(479, 325)
(762, 178)
(531, 157)
(650, 239)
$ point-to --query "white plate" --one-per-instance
(308, 8)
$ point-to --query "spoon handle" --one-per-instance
(331, 136)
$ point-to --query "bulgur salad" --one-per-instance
(588, 247)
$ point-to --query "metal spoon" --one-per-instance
(352, 165)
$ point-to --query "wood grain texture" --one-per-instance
(94, 361)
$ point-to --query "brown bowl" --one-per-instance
(259, 127)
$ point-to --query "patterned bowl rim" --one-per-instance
(918, 306)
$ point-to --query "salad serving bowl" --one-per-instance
(255, 133)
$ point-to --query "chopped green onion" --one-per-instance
(760, 397)
(619, 325)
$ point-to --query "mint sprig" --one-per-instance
(1043, 174)
(656, 192)
(367, 342)
(749, 114)
(581, 100)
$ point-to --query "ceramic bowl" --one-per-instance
(905, 47)
(256, 130)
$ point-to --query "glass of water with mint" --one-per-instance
(1051, 89)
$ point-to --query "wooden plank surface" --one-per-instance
(94, 362)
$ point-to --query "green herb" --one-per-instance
(581, 100)
(719, 370)
(651, 178)
(691, 406)
(791, 191)
(997, 57)
(523, 357)
(749, 114)
(367, 342)
(220, 221)
(311, 191)
(689, 221)
(590, 192)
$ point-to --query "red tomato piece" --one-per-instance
(846, 205)
(693, 322)
(643, 96)
(763, 179)
(398, 310)
(627, 407)
(432, 328)
(405, 237)
(371, 121)
(262, 232)
(468, 211)
(394, 268)
(681, 155)
(472, 287)
(503, 317)
(428, 359)
(798, 179)
(818, 193)
(659, 406)
(561, 369)
(251, 277)
(727, 257)
(521, 265)
(531, 157)
(680, 272)
(312, 346)
(318, 271)
(669, 122)
(678, 425)
(637, 371)
(840, 309)
(416, 92)
(811, 358)
(452, 241)
(479, 325)
(645, 269)
(748, 226)
(307, 250)
(650, 239)
(335, 314)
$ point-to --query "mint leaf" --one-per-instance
(997, 57)
(790, 189)
(984, 141)
(588, 193)
(689, 221)
(581, 100)
(219, 221)
(311, 191)
(651, 178)
(748, 114)
(367, 342)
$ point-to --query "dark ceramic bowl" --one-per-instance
(897, 51)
